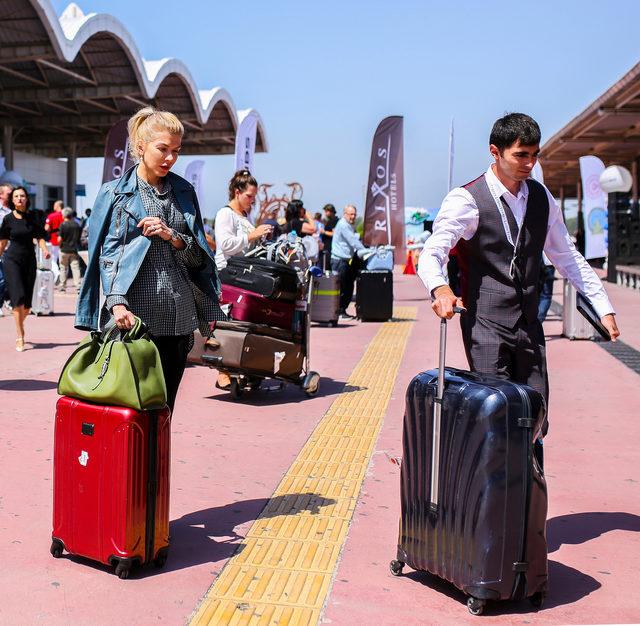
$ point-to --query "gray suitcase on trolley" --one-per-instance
(325, 299)
(42, 299)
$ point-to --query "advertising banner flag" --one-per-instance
(117, 159)
(594, 207)
(384, 208)
(193, 173)
(246, 140)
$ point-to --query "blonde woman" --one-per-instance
(147, 248)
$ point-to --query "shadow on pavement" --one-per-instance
(271, 393)
(27, 385)
(566, 586)
(579, 528)
(48, 346)
(209, 535)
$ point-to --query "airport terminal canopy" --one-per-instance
(65, 81)
(609, 128)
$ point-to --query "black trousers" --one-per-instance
(347, 275)
(517, 353)
(173, 355)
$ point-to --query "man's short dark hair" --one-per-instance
(513, 127)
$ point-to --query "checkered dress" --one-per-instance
(161, 294)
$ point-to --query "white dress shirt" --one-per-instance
(458, 219)
(231, 235)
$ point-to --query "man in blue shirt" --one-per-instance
(345, 245)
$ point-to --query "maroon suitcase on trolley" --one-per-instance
(247, 306)
(111, 484)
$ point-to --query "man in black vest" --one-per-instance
(500, 224)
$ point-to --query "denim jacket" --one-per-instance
(117, 246)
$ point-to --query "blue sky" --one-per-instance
(323, 74)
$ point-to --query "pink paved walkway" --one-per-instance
(228, 458)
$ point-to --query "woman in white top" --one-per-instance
(234, 233)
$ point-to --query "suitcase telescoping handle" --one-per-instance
(437, 415)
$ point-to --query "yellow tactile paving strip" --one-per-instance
(282, 573)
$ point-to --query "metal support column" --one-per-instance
(7, 147)
(71, 176)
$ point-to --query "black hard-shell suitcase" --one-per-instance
(473, 495)
(374, 295)
(272, 280)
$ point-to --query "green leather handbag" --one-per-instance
(116, 369)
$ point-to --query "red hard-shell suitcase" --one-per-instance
(111, 484)
(247, 306)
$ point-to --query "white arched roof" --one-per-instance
(73, 29)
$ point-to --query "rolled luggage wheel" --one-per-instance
(56, 549)
(160, 560)
(311, 383)
(123, 570)
(396, 567)
(537, 599)
(475, 605)
(236, 389)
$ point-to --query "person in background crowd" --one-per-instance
(330, 221)
(5, 192)
(84, 235)
(85, 217)
(209, 234)
(500, 224)
(547, 278)
(346, 244)
(70, 233)
(20, 228)
(52, 226)
(235, 234)
(152, 260)
(298, 220)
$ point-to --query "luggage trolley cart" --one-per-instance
(240, 344)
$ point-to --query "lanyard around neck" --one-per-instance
(497, 198)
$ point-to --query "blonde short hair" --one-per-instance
(146, 122)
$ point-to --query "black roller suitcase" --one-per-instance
(374, 295)
(272, 280)
(473, 495)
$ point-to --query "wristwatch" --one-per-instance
(174, 235)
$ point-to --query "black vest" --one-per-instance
(490, 287)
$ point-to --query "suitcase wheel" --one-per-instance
(56, 549)
(311, 383)
(475, 605)
(537, 599)
(160, 560)
(396, 567)
(236, 388)
(122, 570)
